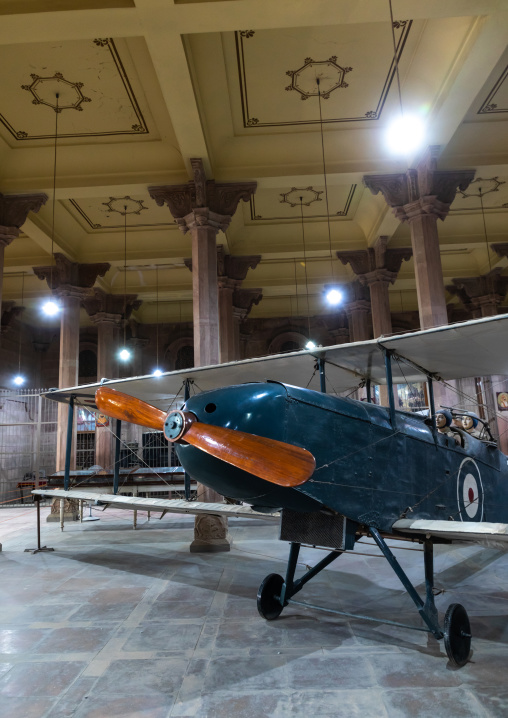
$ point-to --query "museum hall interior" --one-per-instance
(254, 319)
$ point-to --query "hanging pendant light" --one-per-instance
(157, 371)
(333, 294)
(124, 354)
(19, 379)
(311, 344)
(406, 133)
(51, 307)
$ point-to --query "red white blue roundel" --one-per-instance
(470, 491)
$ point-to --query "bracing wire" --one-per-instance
(305, 265)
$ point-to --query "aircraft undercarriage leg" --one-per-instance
(275, 593)
(427, 610)
(457, 630)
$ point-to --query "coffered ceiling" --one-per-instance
(145, 85)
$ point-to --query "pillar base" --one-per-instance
(71, 511)
(200, 545)
(210, 534)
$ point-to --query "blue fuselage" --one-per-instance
(367, 469)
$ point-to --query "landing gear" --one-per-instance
(457, 634)
(269, 605)
(275, 593)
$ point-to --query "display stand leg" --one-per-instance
(37, 500)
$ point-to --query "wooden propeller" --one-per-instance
(275, 461)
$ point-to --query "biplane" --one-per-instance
(335, 468)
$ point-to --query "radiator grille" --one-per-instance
(314, 528)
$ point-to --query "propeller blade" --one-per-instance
(275, 461)
(127, 408)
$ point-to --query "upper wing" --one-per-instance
(478, 532)
(163, 506)
(475, 348)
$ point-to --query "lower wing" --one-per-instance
(485, 533)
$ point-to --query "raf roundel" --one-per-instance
(470, 491)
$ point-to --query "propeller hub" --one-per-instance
(177, 423)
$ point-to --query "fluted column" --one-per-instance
(377, 267)
(420, 197)
(202, 208)
(14, 210)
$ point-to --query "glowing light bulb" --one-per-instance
(333, 296)
(157, 372)
(50, 308)
(19, 380)
(405, 135)
(310, 344)
(124, 355)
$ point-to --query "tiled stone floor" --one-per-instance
(123, 623)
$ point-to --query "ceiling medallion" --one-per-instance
(301, 195)
(484, 186)
(125, 205)
(330, 74)
(46, 89)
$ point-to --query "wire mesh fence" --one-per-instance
(28, 423)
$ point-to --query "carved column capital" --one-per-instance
(360, 305)
(376, 258)
(339, 336)
(103, 307)
(203, 217)
(424, 190)
(202, 202)
(71, 274)
(244, 300)
(10, 312)
(235, 266)
(378, 276)
(105, 318)
(500, 249)
(14, 209)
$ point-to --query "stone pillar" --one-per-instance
(243, 301)
(420, 197)
(9, 312)
(14, 209)
(377, 267)
(106, 312)
(231, 271)
(71, 283)
(202, 208)
(357, 308)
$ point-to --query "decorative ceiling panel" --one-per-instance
(288, 203)
(96, 94)
(277, 70)
(496, 100)
(492, 192)
(110, 212)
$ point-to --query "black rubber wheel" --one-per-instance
(269, 606)
(457, 634)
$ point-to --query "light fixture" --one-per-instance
(406, 133)
(51, 307)
(334, 296)
(157, 371)
(311, 345)
(124, 354)
(19, 379)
